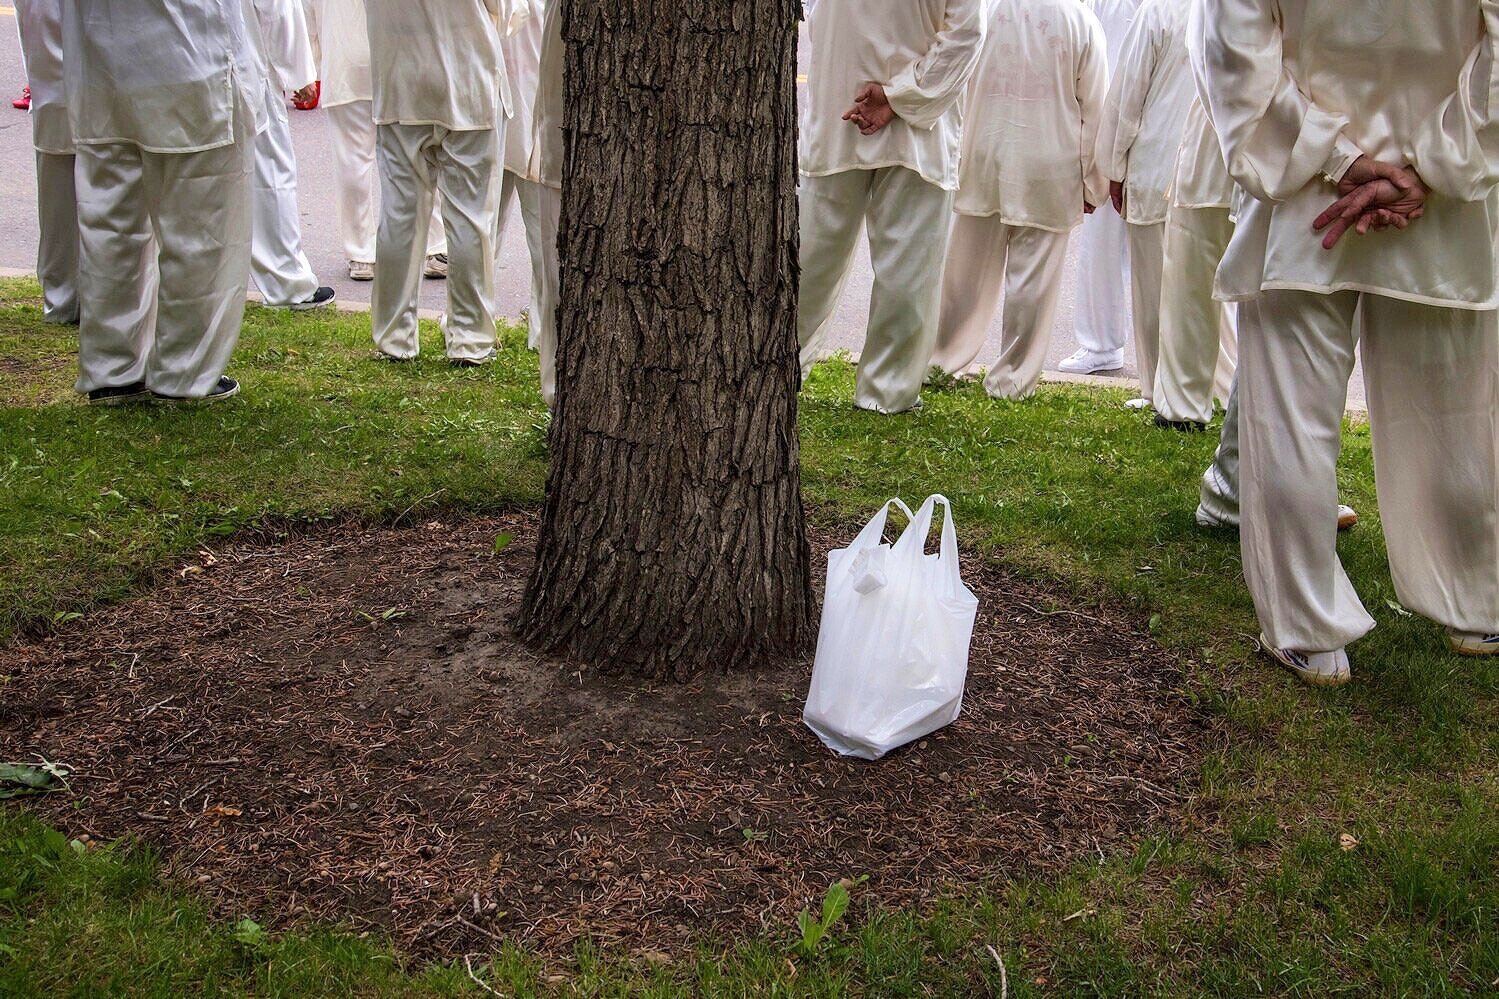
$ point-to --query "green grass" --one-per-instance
(1248, 892)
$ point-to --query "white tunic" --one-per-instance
(1030, 120)
(922, 52)
(523, 65)
(344, 35)
(439, 63)
(279, 30)
(164, 75)
(1148, 100)
(1116, 16)
(1202, 179)
(1299, 88)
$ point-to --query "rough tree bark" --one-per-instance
(672, 536)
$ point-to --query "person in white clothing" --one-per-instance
(531, 178)
(880, 135)
(1027, 177)
(348, 97)
(40, 23)
(163, 98)
(1198, 344)
(1395, 160)
(1101, 315)
(1137, 145)
(441, 99)
(280, 269)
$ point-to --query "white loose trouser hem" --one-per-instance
(1198, 342)
(985, 256)
(277, 264)
(416, 163)
(57, 247)
(165, 260)
(1147, 247)
(1432, 380)
(1101, 320)
(907, 219)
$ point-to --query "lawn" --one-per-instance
(1334, 844)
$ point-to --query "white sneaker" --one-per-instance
(361, 270)
(1137, 403)
(1320, 669)
(1471, 643)
(1085, 362)
(1347, 517)
(436, 266)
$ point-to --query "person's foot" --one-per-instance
(361, 270)
(1320, 669)
(1472, 643)
(118, 395)
(381, 355)
(436, 266)
(1213, 520)
(321, 298)
(224, 388)
(1347, 517)
(309, 105)
(1139, 403)
(1085, 362)
(23, 103)
(1181, 426)
(473, 362)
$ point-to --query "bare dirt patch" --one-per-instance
(338, 723)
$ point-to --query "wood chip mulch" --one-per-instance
(337, 724)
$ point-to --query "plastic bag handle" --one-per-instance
(921, 526)
(875, 529)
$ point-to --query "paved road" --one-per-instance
(313, 144)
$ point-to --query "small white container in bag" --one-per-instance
(892, 654)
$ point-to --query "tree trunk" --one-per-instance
(673, 537)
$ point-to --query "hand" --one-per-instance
(305, 95)
(1089, 209)
(871, 111)
(1375, 195)
(1116, 195)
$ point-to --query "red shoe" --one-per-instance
(317, 95)
(22, 103)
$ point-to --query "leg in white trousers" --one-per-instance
(277, 263)
(57, 249)
(541, 208)
(354, 183)
(1147, 247)
(908, 220)
(1198, 342)
(1432, 379)
(165, 257)
(417, 162)
(1101, 323)
(985, 254)
(1218, 498)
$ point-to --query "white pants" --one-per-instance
(1218, 496)
(1199, 343)
(277, 263)
(1101, 322)
(57, 249)
(1147, 248)
(986, 255)
(354, 183)
(907, 219)
(416, 163)
(165, 260)
(1432, 378)
(541, 213)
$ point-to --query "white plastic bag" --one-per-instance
(892, 655)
